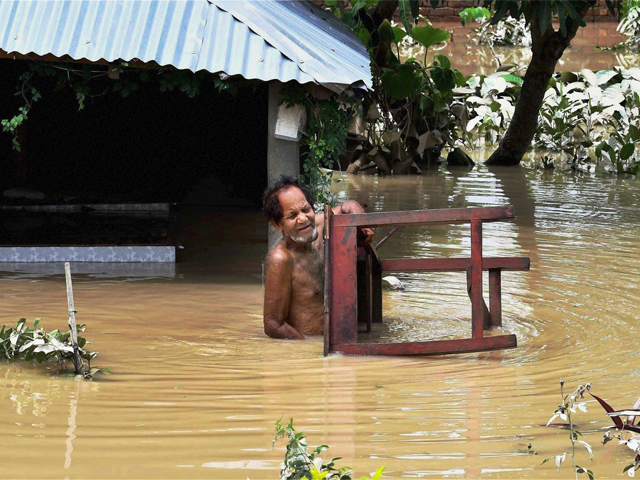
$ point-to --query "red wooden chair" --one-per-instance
(354, 295)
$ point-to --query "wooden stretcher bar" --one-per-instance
(353, 281)
(421, 217)
(454, 264)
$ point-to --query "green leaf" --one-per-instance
(404, 9)
(398, 34)
(378, 474)
(572, 12)
(386, 31)
(627, 151)
(466, 17)
(444, 79)
(502, 7)
(513, 79)
(611, 7)
(425, 103)
(415, 9)
(41, 357)
(562, 17)
(399, 83)
(545, 16)
(428, 36)
(364, 36)
(442, 61)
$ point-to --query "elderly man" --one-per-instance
(294, 289)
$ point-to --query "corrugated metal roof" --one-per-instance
(265, 40)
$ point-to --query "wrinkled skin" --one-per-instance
(294, 286)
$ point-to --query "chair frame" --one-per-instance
(354, 295)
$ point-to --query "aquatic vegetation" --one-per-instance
(299, 464)
(593, 118)
(26, 343)
(566, 411)
(586, 119)
(623, 429)
(508, 31)
(490, 102)
(630, 25)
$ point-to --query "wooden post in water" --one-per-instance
(77, 359)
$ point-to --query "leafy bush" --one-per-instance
(630, 25)
(593, 119)
(587, 118)
(490, 101)
(34, 344)
(507, 32)
(410, 115)
(299, 464)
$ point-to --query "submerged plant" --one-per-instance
(299, 464)
(35, 344)
(566, 411)
(623, 430)
(630, 25)
(507, 32)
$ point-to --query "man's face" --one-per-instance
(298, 221)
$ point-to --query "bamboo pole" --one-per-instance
(77, 359)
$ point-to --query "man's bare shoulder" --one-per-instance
(280, 256)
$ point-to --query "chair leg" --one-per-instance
(486, 315)
(376, 291)
(495, 298)
(369, 291)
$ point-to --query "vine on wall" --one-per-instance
(325, 138)
(89, 82)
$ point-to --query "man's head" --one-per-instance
(288, 205)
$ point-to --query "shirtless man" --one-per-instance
(294, 289)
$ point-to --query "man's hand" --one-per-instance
(365, 235)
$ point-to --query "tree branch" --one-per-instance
(384, 10)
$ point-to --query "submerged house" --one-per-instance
(150, 141)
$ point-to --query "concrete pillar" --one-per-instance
(283, 157)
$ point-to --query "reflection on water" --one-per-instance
(196, 386)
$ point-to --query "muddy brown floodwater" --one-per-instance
(196, 387)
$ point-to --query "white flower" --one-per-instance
(582, 406)
(552, 419)
(317, 462)
(560, 459)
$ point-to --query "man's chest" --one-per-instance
(308, 272)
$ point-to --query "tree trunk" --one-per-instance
(547, 50)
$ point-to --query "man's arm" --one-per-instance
(277, 297)
(351, 206)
